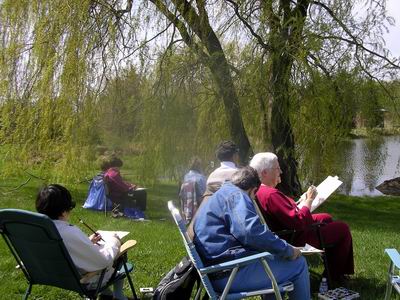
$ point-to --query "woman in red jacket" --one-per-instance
(281, 212)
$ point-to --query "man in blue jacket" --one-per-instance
(227, 227)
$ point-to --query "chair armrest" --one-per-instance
(394, 256)
(317, 224)
(235, 263)
(122, 250)
(125, 247)
(285, 232)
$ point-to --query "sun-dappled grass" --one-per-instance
(373, 221)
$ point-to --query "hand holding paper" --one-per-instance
(308, 249)
(309, 196)
(324, 189)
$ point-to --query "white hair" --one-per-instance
(262, 161)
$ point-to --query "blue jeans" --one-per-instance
(253, 277)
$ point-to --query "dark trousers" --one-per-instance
(337, 235)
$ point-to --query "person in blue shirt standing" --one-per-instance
(227, 226)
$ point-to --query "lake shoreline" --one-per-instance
(363, 132)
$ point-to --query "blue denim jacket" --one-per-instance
(227, 227)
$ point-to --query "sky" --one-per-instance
(393, 37)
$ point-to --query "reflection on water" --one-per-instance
(368, 162)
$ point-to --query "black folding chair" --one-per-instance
(290, 234)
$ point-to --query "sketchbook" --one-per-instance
(308, 250)
(107, 234)
(324, 189)
(140, 189)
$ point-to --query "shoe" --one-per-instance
(117, 214)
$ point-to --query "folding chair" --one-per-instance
(98, 196)
(232, 266)
(393, 280)
(289, 235)
(37, 246)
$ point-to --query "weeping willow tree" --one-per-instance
(54, 59)
(177, 118)
(57, 56)
(120, 111)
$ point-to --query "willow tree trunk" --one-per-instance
(281, 129)
(284, 40)
(223, 81)
(196, 20)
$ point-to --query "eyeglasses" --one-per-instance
(275, 168)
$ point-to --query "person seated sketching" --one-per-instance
(55, 201)
(228, 154)
(228, 227)
(121, 192)
(281, 212)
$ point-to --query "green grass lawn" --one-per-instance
(373, 221)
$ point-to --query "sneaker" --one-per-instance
(117, 214)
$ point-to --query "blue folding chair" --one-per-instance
(232, 266)
(393, 280)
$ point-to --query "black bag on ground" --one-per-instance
(137, 199)
(178, 283)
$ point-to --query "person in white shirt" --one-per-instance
(228, 154)
(88, 255)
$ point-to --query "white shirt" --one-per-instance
(220, 175)
(87, 256)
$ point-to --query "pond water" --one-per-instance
(368, 162)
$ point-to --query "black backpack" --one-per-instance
(178, 283)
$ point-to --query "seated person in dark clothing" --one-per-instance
(121, 192)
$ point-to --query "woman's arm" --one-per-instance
(286, 211)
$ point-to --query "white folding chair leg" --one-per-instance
(229, 283)
(272, 277)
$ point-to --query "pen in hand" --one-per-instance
(90, 228)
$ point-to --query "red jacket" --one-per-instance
(281, 212)
(117, 188)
